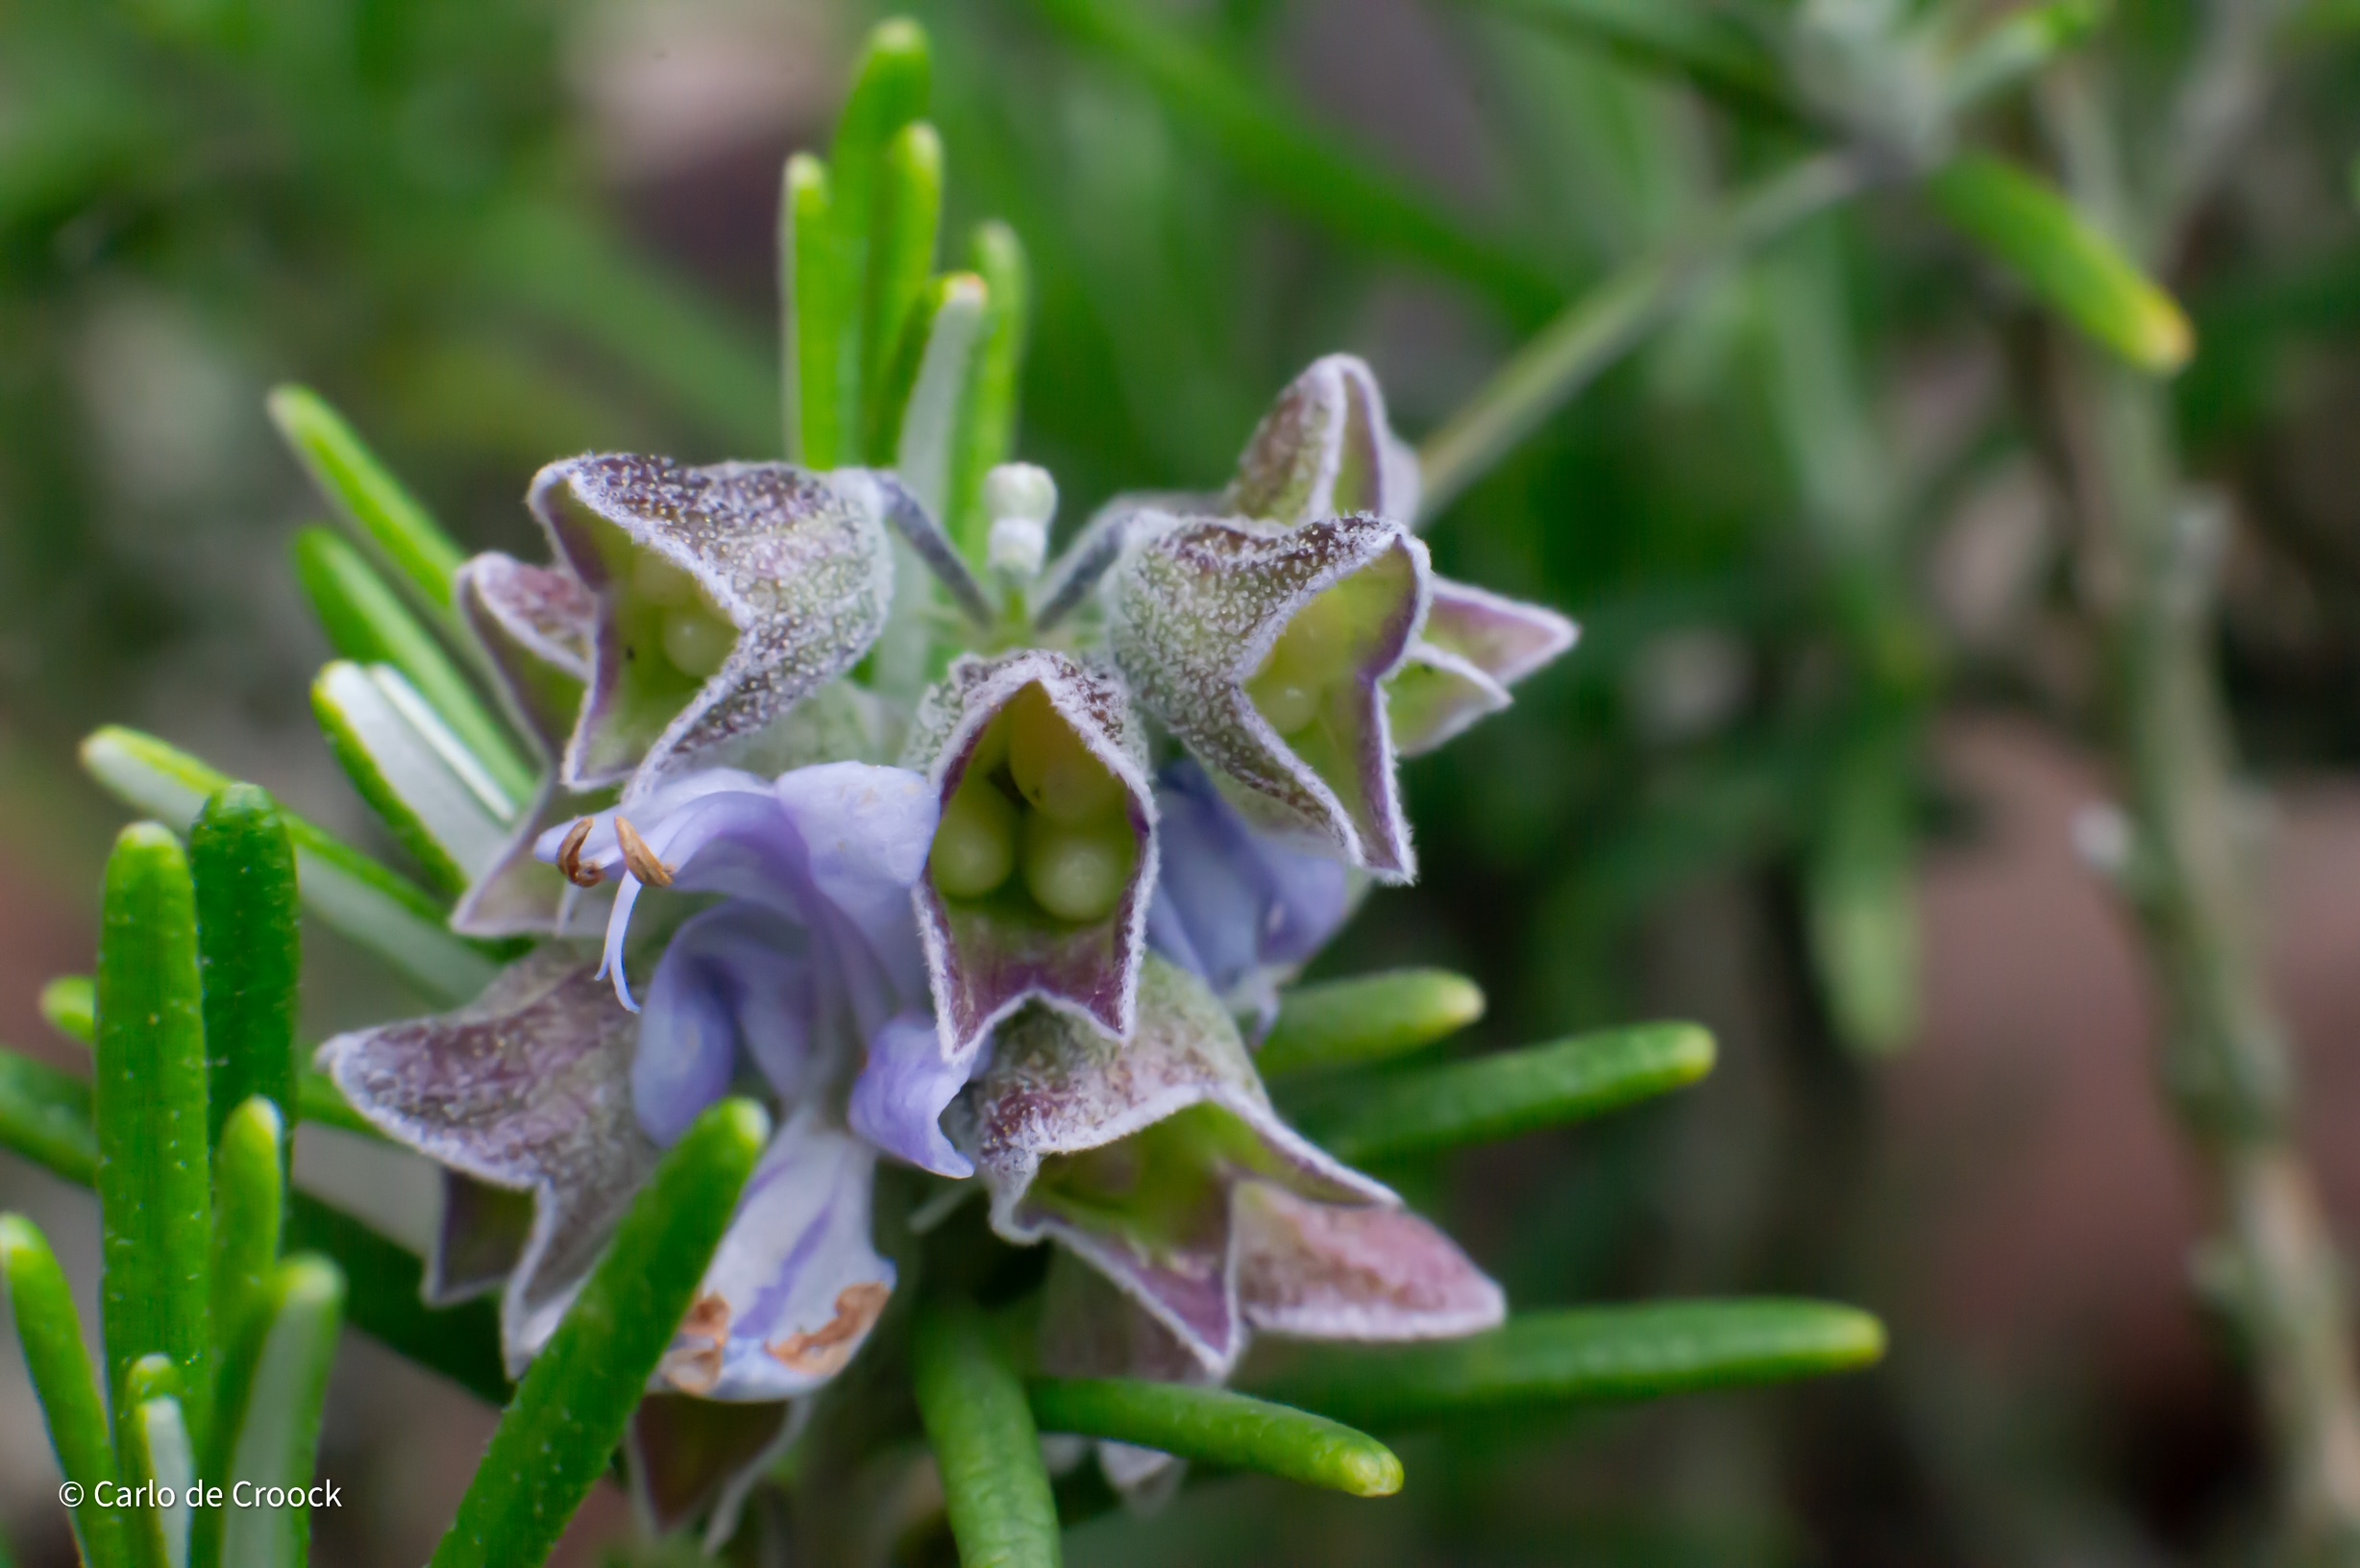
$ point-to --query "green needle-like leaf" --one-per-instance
(986, 435)
(424, 785)
(46, 1117)
(249, 1212)
(350, 892)
(1220, 1428)
(1367, 1018)
(1583, 1355)
(367, 621)
(558, 1434)
(70, 1004)
(813, 301)
(156, 1452)
(1498, 1096)
(273, 1391)
(925, 390)
(982, 1428)
(250, 948)
(890, 89)
(2029, 227)
(371, 499)
(154, 1186)
(902, 235)
(1297, 165)
(71, 1406)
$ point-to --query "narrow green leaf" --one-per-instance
(46, 1117)
(155, 1190)
(813, 301)
(430, 791)
(156, 1452)
(1220, 1428)
(249, 1212)
(273, 1392)
(250, 949)
(889, 88)
(902, 236)
(1500, 1095)
(2016, 47)
(70, 1004)
(927, 386)
(558, 1434)
(371, 499)
(60, 1364)
(353, 895)
(981, 1428)
(367, 621)
(2029, 227)
(1584, 1356)
(1699, 44)
(1367, 1018)
(1861, 895)
(383, 1279)
(986, 433)
(1303, 168)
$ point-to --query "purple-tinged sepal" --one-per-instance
(526, 1088)
(1266, 650)
(1310, 1270)
(1325, 450)
(1039, 880)
(725, 596)
(1476, 644)
(1238, 908)
(1089, 1329)
(1130, 1154)
(690, 1458)
(791, 1296)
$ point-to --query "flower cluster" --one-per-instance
(1019, 930)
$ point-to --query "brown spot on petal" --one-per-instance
(639, 857)
(694, 1369)
(569, 857)
(823, 1352)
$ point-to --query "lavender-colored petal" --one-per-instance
(1324, 449)
(989, 956)
(690, 1458)
(799, 565)
(1236, 906)
(1060, 1091)
(527, 1088)
(796, 1286)
(1324, 1271)
(537, 624)
(903, 1088)
(735, 981)
(1194, 609)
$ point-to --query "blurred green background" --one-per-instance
(1815, 775)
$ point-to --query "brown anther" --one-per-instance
(639, 857)
(569, 857)
(823, 1352)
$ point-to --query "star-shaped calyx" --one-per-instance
(1266, 650)
(725, 596)
(1039, 880)
(1161, 1163)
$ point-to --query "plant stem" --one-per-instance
(1614, 318)
(2225, 1063)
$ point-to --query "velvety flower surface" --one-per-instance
(725, 596)
(1476, 644)
(1039, 881)
(1265, 651)
(1325, 450)
(1162, 1164)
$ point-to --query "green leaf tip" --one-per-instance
(370, 498)
(2030, 228)
(1508, 1093)
(1367, 1018)
(1218, 1427)
(980, 1427)
(71, 1005)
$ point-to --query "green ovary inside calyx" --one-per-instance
(1317, 653)
(695, 637)
(1036, 809)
